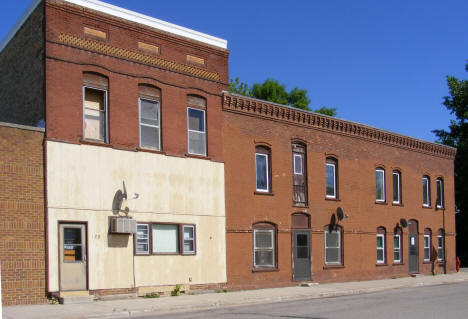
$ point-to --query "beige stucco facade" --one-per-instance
(81, 183)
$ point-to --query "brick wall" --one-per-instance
(22, 76)
(358, 157)
(22, 234)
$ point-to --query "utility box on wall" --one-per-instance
(122, 225)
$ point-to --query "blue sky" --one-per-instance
(380, 63)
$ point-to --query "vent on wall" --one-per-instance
(122, 225)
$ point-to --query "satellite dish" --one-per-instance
(403, 222)
(117, 202)
(125, 191)
(339, 213)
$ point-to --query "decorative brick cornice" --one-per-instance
(277, 112)
(103, 48)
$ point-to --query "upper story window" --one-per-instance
(262, 169)
(299, 174)
(426, 191)
(331, 168)
(381, 252)
(264, 238)
(396, 175)
(427, 244)
(196, 124)
(95, 118)
(380, 185)
(440, 193)
(333, 245)
(149, 114)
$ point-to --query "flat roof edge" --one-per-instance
(22, 127)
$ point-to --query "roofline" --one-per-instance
(126, 15)
(22, 127)
(331, 117)
(19, 24)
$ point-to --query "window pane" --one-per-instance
(332, 255)
(380, 255)
(149, 137)
(396, 255)
(196, 120)
(396, 187)
(188, 232)
(332, 239)
(379, 184)
(297, 164)
(262, 171)
(165, 238)
(427, 255)
(72, 236)
(94, 99)
(426, 241)
(149, 111)
(379, 242)
(439, 193)
(302, 252)
(396, 242)
(264, 258)
(301, 240)
(263, 238)
(188, 246)
(330, 180)
(197, 143)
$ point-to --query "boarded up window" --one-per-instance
(195, 60)
(94, 33)
(148, 48)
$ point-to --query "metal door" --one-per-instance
(72, 257)
(301, 255)
(413, 247)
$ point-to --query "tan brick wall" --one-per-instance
(22, 234)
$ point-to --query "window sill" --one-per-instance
(440, 262)
(381, 265)
(166, 254)
(300, 206)
(427, 207)
(333, 266)
(398, 264)
(381, 203)
(427, 262)
(265, 269)
(264, 193)
(440, 208)
(95, 143)
(398, 204)
(148, 150)
(198, 156)
(333, 199)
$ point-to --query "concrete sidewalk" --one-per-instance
(128, 308)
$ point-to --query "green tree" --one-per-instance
(271, 90)
(457, 136)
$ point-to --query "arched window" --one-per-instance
(380, 184)
(441, 245)
(397, 240)
(264, 245)
(333, 240)
(299, 169)
(196, 125)
(396, 176)
(95, 109)
(381, 246)
(331, 177)
(440, 193)
(149, 101)
(426, 191)
(427, 244)
(263, 169)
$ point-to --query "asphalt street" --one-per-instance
(445, 301)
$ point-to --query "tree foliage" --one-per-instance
(271, 90)
(457, 136)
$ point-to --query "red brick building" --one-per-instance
(310, 197)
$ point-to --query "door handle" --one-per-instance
(84, 258)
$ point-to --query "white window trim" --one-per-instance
(440, 247)
(147, 226)
(149, 125)
(189, 252)
(440, 183)
(334, 180)
(397, 248)
(381, 261)
(399, 190)
(297, 172)
(266, 172)
(427, 247)
(189, 130)
(106, 117)
(380, 200)
(272, 248)
(427, 190)
(339, 262)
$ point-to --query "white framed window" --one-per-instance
(95, 114)
(427, 247)
(165, 238)
(142, 239)
(297, 164)
(397, 248)
(262, 172)
(333, 247)
(440, 247)
(426, 191)
(188, 232)
(330, 179)
(196, 131)
(379, 185)
(396, 187)
(149, 114)
(440, 193)
(381, 248)
(264, 247)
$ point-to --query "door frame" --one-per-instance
(293, 252)
(416, 236)
(73, 222)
